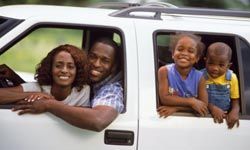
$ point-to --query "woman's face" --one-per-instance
(63, 69)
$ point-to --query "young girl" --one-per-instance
(181, 86)
(62, 75)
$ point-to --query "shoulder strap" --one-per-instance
(229, 75)
(204, 71)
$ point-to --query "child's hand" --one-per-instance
(232, 118)
(218, 114)
(165, 111)
(199, 106)
(37, 96)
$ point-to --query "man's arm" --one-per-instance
(96, 118)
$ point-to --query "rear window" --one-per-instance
(240, 60)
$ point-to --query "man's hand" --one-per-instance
(37, 96)
(36, 107)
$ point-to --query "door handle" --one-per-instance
(119, 137)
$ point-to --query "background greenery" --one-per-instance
(225, 4)
(27, 53)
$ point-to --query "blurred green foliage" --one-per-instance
(29, 51)
(224, 4)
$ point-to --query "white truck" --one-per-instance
(143, 32)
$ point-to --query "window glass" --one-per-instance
(2, 20)
(117, 38)
(244, 47)
(163, 50)
(6, 24)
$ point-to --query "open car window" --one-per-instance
(239, 50)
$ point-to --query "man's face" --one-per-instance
(101, 58)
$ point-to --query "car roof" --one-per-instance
(27, 11)
(46, 11)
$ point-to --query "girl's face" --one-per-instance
(63, 69)
(217, 65)
(185, 53)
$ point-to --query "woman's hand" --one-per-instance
(38, 96)
(35, 107)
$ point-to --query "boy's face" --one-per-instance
(185, 53)
(217, 65)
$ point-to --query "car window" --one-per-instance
(24, 52)
(164, 56)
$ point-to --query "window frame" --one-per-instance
(85, 44)
(244, 113)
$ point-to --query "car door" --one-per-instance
(184, 130)
(24, 46)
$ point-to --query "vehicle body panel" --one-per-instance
(176, 132)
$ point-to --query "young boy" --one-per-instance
(222, 85)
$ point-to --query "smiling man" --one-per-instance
(104, 76)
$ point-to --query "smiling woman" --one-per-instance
(61, 75)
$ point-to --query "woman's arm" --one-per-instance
(12, 94)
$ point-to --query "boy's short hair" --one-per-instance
(220, 48)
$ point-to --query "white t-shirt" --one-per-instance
(76, 98)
